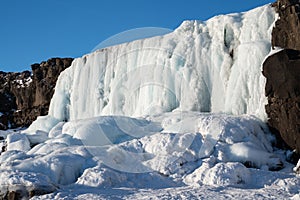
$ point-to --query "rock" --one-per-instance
(286, 32)
(22, 194)
(25, 96)
(16, 185)
(282, 71)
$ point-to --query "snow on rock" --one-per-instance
(229, 138)
(42, 124)
(17, 141)
(37, 137)
(56, 130)
(297, 168)
(222, 174)
(9, 157)
(139, 145)
(172, 154)
(24, 184)
(248, 153)
(62, 166)
(290, 185)
(101, 176)
(212, 66)
(166, 145)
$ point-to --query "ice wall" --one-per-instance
(212, 66)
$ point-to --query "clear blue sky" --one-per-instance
(32, 31)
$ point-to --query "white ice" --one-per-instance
(212, 66)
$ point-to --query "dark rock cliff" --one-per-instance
(282, 71)
(25, 96)
(286, 32)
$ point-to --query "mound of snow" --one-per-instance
(222, 174)
(24, 184)
(62, 166)
(168, 150)
(101, 176)
(171, 144)
(18, 142)
(104, 130)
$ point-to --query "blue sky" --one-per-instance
(32, 31)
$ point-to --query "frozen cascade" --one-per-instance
(213, 66)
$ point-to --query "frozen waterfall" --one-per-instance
(213, 66)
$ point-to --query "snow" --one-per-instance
(101, 131)
(23, 83)
(162, 153)
(17, 141)
(297, 168)
(296, 197)
(222, 174)
(21, 181)
(179, 116)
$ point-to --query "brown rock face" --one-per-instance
(282, 71)
(25, 96)
(286, 32)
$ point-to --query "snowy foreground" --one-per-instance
(146, 120)
(178, 155)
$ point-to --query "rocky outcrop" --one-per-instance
(286, 32)
(23, 193)
(282, 71)
(25, 96)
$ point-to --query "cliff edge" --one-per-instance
(282, 71)
(25, 96)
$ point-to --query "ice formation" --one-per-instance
(212, 66)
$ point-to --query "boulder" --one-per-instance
(282, 71)
(286, 32)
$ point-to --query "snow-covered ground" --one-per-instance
(179, 116)
(176, 155)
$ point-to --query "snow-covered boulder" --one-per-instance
(23, 185)
(222, 174)
(17, 141)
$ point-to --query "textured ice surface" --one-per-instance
(212, 66)
(196, 153)
(161, 151)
